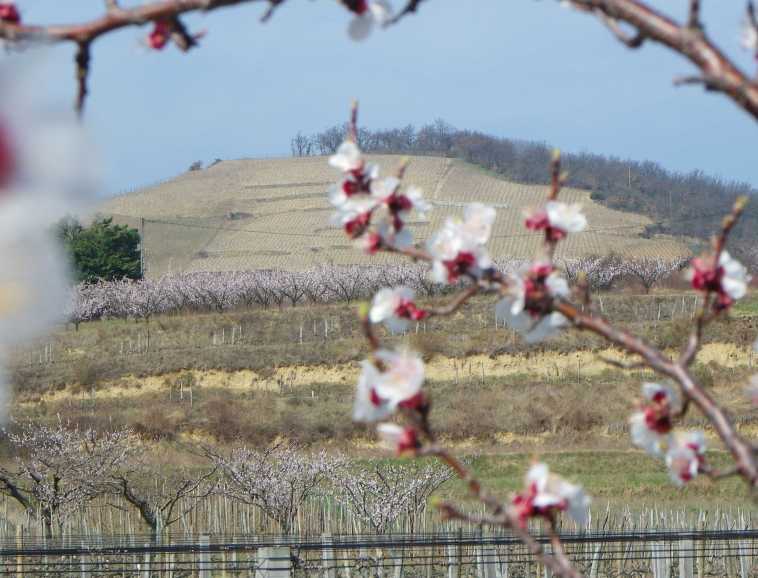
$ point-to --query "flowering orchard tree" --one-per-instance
(277, 480)
(535, 300)
(61, 468)
(649, 271)
(387, 284)
(378, 494)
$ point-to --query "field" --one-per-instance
(257, 214)
(260, 375)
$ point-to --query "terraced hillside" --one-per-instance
(253, 214)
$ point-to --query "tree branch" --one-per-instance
(718, 72)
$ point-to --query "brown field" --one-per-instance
(495, 400)
(255, 214)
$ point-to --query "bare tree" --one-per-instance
(162, 499)
(301, 145)
(61, 468)
(277, 480)
(379, 493)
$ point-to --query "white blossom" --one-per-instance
(513, 309)
(397, 438)
(749, 36)
(347, 158)
(567, 218)
(380, 392)
(685, 456)
(368, 406)
(395, 307)
(650, 426)
(376, 13)
(546, 492)
(736, 278)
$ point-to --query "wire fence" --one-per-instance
(656, 553)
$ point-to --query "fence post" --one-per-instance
(595, 568)
(204, 566)
(146, 563)
(453, 560)
(744, 552)
(274, 562)
(687, 559)
(19, 545)
(487, 561)
(82, 564)
(327, 555)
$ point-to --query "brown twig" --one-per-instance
(410, 8)
(632, 41)
(693, 18)
(456, 303)
(82, 59)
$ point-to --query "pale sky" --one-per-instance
(523, 69)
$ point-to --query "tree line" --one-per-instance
(230, 290)
(60, 469)
(688, 204)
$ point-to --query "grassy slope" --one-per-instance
(557, 400)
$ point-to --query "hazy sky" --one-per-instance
(525, 69)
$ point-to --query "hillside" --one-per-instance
(252, 214)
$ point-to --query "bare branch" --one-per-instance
(631, 41)
(410, 8)
(693, 20)
(82, 59)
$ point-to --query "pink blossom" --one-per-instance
(685, 456)
(651, 425)
(159, 35)
(729, 280)
(403, 440)
(557, 220)
(546, 494)
(526, 308)
(9, 13)
(396, 308)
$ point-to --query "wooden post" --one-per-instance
(743, 548)
(204, 566)
(19, 546)
(595, 568)
(487, 561)
(452, 560)
(274, 562)
(687, 559)
(146, 563)
(327, 555)
(82, 565)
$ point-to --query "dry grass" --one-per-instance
(491, 393)
(253, 214)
